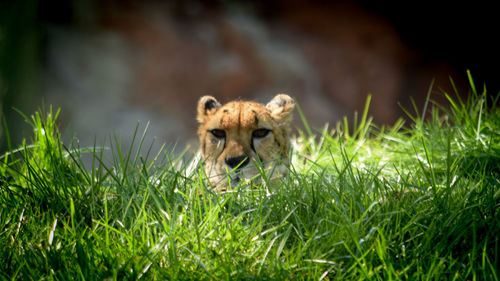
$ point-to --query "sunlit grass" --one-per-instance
(407, 202)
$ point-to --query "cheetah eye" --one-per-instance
(217, 133)
(260, 133)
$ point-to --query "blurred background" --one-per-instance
(111, 64)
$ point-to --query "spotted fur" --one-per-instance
(236, 135)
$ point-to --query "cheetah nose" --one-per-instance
(233, 162)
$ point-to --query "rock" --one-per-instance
(145, 62)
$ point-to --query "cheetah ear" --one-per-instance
(281, 107)
(207, 105)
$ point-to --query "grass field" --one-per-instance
(410, 202)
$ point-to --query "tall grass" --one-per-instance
(414, 202)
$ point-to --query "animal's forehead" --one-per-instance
(245, 115)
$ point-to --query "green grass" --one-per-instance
(407, 202)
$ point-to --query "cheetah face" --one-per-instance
(238, 138)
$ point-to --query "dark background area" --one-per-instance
(461, 33)
(438, 39)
